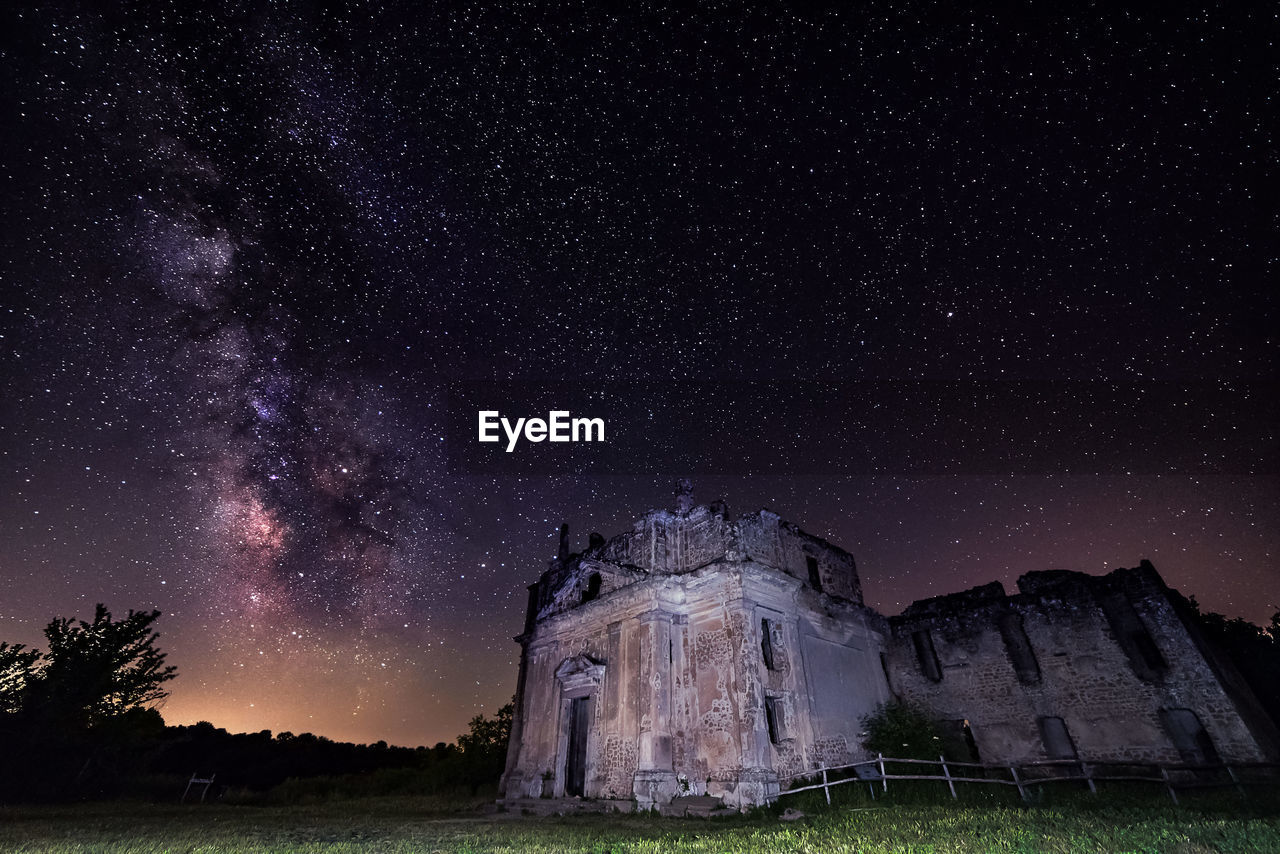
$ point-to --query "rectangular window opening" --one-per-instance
(1056, 738)
(1147, 649)
(815, 577)
(775, 717)
(1133, 637)
(927, 655)
(1190, 737)
(766, 644)
(592, 590)
(1018, 645)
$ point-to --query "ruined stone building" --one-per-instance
(704, 654)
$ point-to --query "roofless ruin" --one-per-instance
(704, 654)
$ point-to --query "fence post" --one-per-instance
(1016, 779)
(1088, 776)
(197, 781)
(1231, 772)
(1164, 772)
(946, 773)
(883, 779)
(826, 790)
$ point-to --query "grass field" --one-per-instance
(425, 825)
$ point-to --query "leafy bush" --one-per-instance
(901, 730)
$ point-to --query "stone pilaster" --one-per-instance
(655, 778)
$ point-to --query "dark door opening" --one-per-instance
(957, 741)
(575, 765)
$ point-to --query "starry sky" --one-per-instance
(245, 251)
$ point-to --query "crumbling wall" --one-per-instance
(720, 655)
(674, 542)
(671, 542)
(578, 581)
(1108, 656)
(766, 539)
(677, 611)
(532, 773)
(717, 701)
(846, 682)
(813, 668)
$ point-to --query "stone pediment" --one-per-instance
(579, 675)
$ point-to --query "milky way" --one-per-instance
(245, 251)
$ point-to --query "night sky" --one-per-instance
(244, 252)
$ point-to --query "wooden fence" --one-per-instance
(1024, 775)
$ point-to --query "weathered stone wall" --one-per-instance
(840, 651)
(768, 540)
(675, 543)
(1105, 655)
(721, 656)
(664, 541)
(677, 633)
(569, 585)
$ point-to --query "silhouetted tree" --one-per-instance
(76, 719)
(98, 670)
(1254, 651)
(482, 751)
(488, 735)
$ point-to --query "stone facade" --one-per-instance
(1108, 664)
(704, 654)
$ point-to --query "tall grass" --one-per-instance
(404, 824)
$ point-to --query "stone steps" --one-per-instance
(565, 806)
(700, 806)
(693, 806)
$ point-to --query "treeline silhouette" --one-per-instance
(77, 722)
(259, 761)
(1253, 649)
(142, 757)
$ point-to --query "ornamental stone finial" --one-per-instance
(684, 495)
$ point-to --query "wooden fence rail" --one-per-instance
(1171, 777)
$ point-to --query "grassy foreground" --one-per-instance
(421, 825)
